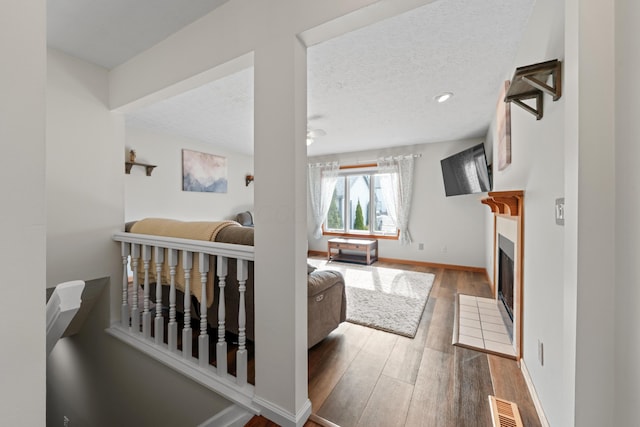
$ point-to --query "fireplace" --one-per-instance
(507, 208)
(506, 277)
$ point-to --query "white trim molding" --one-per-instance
(534, 395)
(233, 416)
(282, 416)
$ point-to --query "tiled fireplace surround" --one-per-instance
(483, 323)
(507, 208)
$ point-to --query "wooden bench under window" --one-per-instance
(362, 251)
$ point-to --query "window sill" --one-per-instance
(362, 235)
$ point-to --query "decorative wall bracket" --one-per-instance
(530, 82)
(504, 202)
(128, 165)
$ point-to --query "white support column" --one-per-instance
(281, 229)
(172, 330)
(241, 355)
(187, 264)
(124, 313)
(158, 325)
(146, 314)
(589, 313)
(221, 346)
(203, 338)
(135, 310)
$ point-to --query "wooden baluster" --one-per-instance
(221, 346)
(124, 314)
(241, 355)
(135, 310)
(172, 333)
(146, 314)
(187, 264)
(203, 338)
(158, 325)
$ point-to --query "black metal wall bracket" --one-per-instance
(530, 82)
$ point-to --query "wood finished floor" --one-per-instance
(364, 377)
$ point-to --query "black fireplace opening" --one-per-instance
(506, 274)
(505, 283)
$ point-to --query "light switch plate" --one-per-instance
(560, 211)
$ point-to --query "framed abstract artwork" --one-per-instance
(203, 172)
(503, 129)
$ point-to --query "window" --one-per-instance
(360, 205)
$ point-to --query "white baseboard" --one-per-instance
(534, 394)
(233, 416)
(282, 417)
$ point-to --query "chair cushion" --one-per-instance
(321, 280)
(245, 218)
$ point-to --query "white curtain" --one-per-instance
(388, 176)
(322, 182)
(397, 188)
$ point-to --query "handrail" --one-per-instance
(62, 306)
(229, 250)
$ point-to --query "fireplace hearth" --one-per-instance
(507, 208)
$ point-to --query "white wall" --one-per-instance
(455, 223)
(627, 372)
(22, 215)
(84, 172)
(161, 195)
(537, 167)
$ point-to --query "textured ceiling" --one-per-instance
(220, 113)
(374, 87)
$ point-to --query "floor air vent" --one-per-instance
(504, 413)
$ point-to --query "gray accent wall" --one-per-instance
(96, 380)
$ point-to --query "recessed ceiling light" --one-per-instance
(444, 96)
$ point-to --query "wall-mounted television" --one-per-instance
(466, 172)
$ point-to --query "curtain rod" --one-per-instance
(324, 164)
(408, 156)
(359, 162)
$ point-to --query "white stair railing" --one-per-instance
(62, 306)
(164, 253)
(221, 346)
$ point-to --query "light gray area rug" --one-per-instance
(383, 298)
